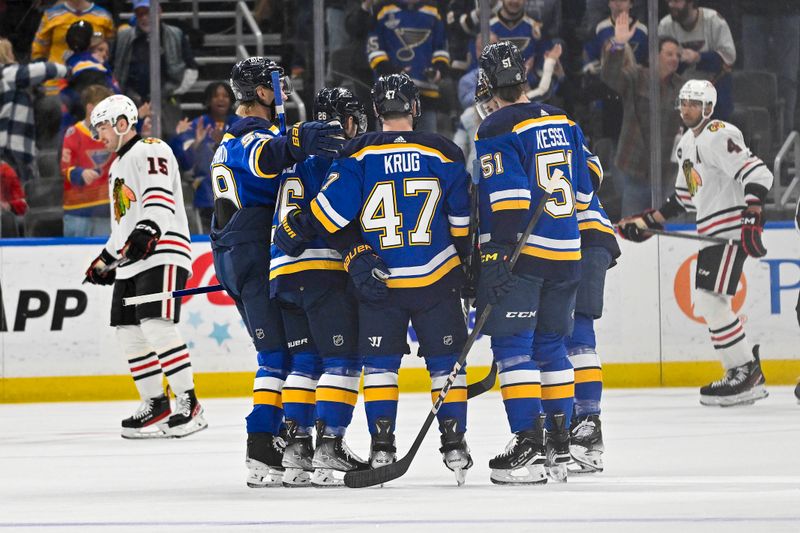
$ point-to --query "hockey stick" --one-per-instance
(479, 387)
(384, 474)
(690, 236)
(168, 295)
(279, 110)
(473, 238)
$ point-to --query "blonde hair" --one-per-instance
(6, 52)
(94, 94)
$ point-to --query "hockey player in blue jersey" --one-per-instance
(245, 176)
(409, 36)
(320, 317)
(408, 192)
(520, 147)
(599, 252)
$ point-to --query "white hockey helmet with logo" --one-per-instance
(110, 109)
(702, 91)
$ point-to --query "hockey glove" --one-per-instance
(633, 228)
(316, 138)
(142, 241)
(96, 275)
(294, 232)
(368, 272)
(495, 273)
(752, 229)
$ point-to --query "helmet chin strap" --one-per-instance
(120, 135)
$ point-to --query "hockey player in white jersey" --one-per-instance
(725, 184)
(150, 237)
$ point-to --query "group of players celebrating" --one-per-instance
(331, 239)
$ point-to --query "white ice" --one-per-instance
(671, 465)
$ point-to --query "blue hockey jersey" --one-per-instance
(519, 147)
(595, 227)
(412, 38)
(319, 263)
(409, 192)
(247, 162)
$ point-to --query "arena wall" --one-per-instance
(56, 345)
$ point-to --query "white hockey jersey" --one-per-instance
(715, 169)
(144, 183)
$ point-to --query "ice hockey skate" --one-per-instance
(149, 421)
(331, 456)
(297, 457)
(382, 449)
(522, 462)
(797, 392)
(741, 385)
(188, 417)
(455, 452)
(558, 449)
(586, 445)
(264, 460)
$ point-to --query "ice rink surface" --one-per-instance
(671, 465)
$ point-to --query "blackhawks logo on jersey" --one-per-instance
(123, 196)
(693, 179)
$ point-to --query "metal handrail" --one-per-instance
(792, 141)
(243, 12)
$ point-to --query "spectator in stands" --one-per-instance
(512, 24)
(12, 201)
(84, 167)
(707, 49)
(17, 127)
(463, 25)
(85, 69)
(50, 44)
(197, 141)
(131, 64)
(409, 36)
(631, 81)
(771, 41)
(604, 32)
(548, 13)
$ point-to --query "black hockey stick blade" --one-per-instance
(369, 478)
(484, 385)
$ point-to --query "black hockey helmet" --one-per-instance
(338, 103)
(249, 73)
(79, 36)
(394, 94)
(503, 65)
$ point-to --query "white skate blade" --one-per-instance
(584, 461)
(526, 475)
(154, 431)
(194, 425)
(325, 478)
(748, 397)
(296, 477)
(261, 476)
(461, 476)
(557, 472)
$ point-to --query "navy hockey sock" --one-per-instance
(520, 382)
(267, 413)
(588, 369)
(337, 393)
(299, 390)
(558, 377)
(455, 403)
(380, 388)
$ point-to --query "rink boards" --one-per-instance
(55, 342)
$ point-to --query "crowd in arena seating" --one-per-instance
(590, 57)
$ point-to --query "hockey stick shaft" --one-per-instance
(277, 88)
(690, 236)
(369, 478)
(169, 295)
